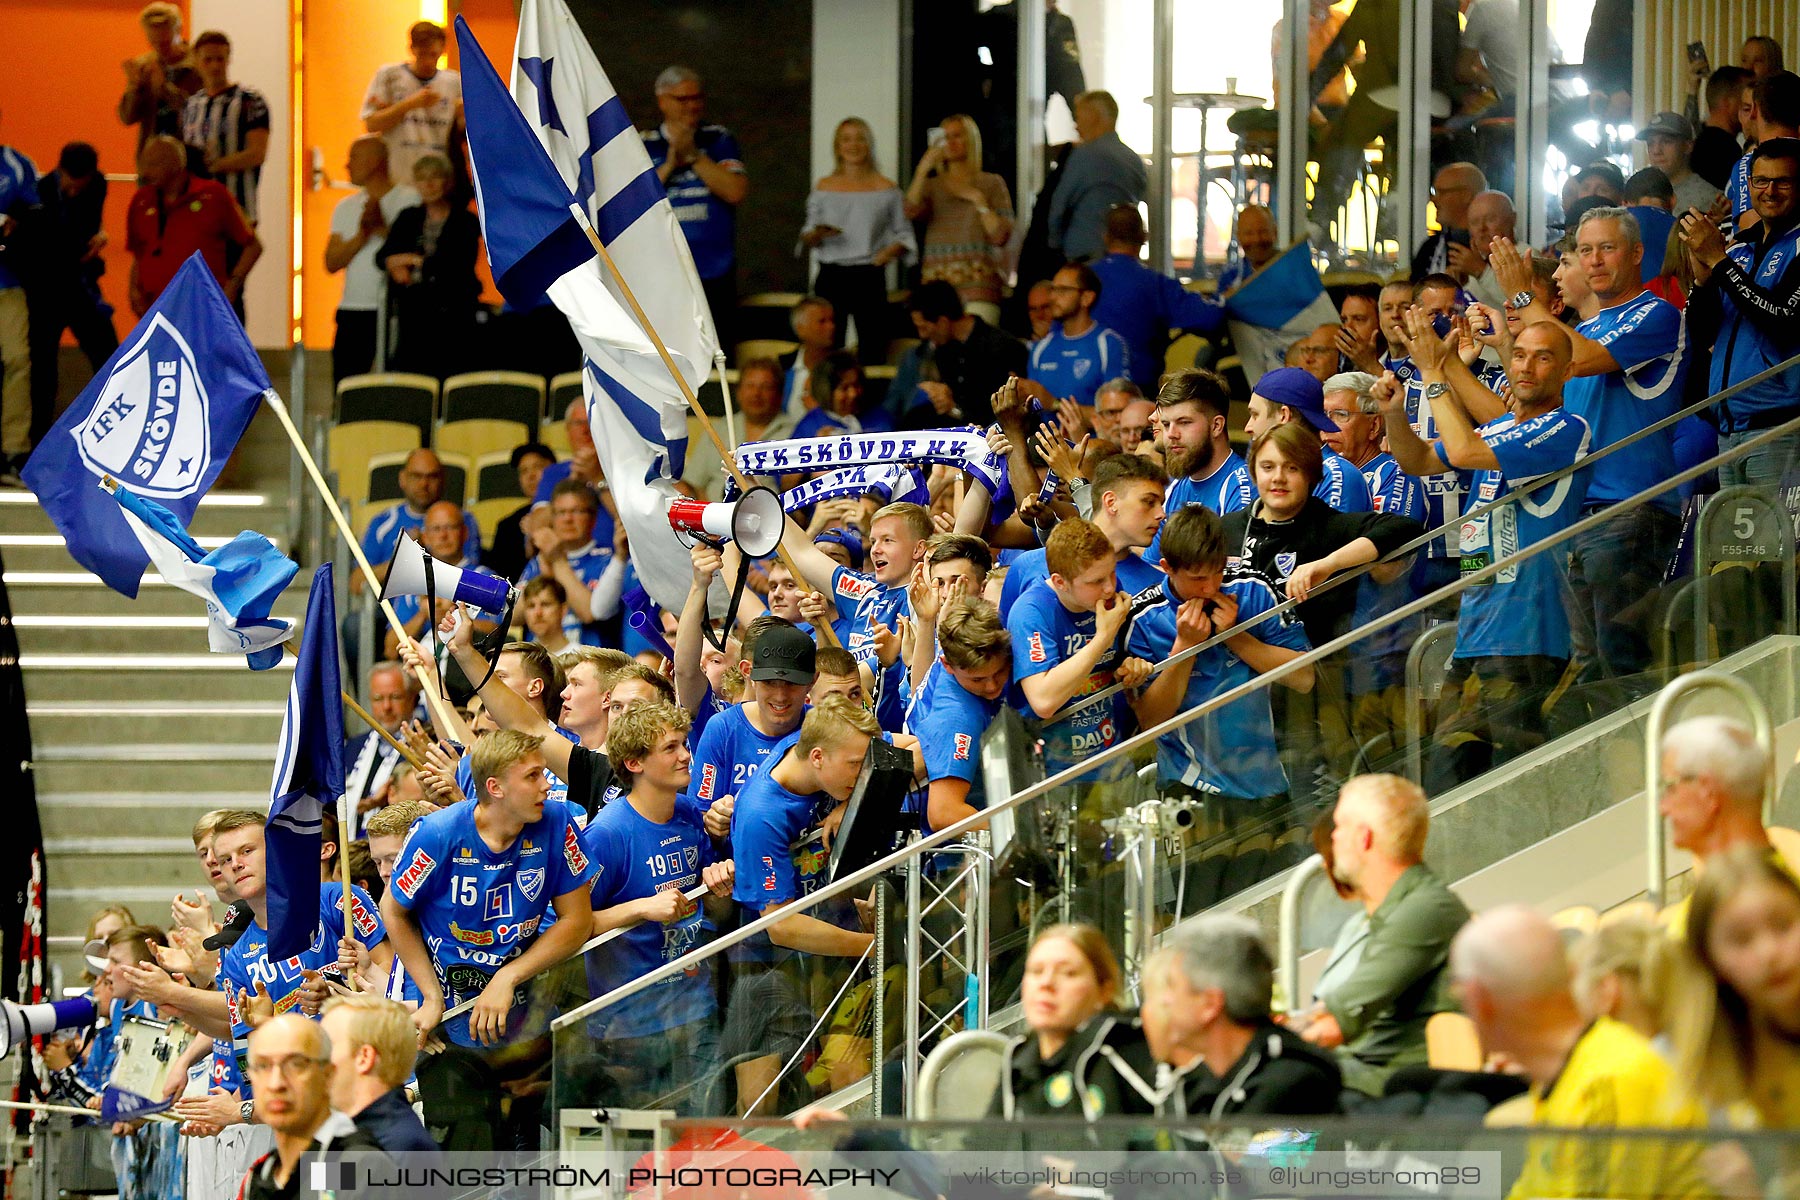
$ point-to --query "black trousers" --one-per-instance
(54, 308)
(860, 293)
(353, 345)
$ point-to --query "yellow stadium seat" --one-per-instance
(388, 396)
(349, 447)
(763, 348)
(555, 435)
(1631, 910)
(501, 395)
(477, 437)
(781, 300)
(1183, 351)
(1787, 844)
(563, 388)
(1577, 919)
(1452, 1043)
(495, 478)
(489, 513)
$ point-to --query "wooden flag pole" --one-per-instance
(693, 403)
(433, 701)
(390, 739)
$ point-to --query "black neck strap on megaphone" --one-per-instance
(718, 638)
(430, 567)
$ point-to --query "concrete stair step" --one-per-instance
(112, 634)
(219, 766)
(71, 591)
(218, 677)
(221, 514)
(46, 551)
(74, 722)
(102, 860)
(150, 814)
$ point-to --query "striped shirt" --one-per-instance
(219, 126)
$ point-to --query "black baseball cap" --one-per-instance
(784, 654)
(238, 918)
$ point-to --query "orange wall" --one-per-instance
(79, 45)
(344, 43)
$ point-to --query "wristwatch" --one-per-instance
(1434, 390)
(1523, 299)
(247, 1110)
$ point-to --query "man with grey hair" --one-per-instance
(1110, 403)
(289, 1067)
(702, 169)
(1714, 779)
(1206, 1016)
(1491, 215)
(1376, 1017)
(1101, 171)
(1629, 361)
(1511, 976)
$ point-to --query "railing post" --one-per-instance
(878, 1046)
(1298, 884)
(1422, 647)
(1656, 849)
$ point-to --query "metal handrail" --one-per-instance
(1761, 724)
(1299, 882)
(1454, 523)
(1147, 737)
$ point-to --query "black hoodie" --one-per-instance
(1279, 1074)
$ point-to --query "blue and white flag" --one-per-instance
(636, 409)
(1276, 307)
(240, 581)
(544, 236)
(161, 417)
(309, 778)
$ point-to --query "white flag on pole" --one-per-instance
(638, 413)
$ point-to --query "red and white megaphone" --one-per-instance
(754, 521)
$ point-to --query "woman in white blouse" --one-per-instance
(855, 226)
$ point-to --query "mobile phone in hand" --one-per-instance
(1697, 52)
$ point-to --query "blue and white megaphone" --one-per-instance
(412, 572)
(19, 1022)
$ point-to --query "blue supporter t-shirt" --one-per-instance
(1341, 485)
(476, 909)
(1394, 492)
(1142, 305)
(875, 604)
(1647, 337)
(730, 753)
(559, 790)
(635, 857)
(1737, 188)
(1133, 575)
(554, 474)
(1230, 752)
(1044, 634)
(709, 223)
(1520, 610)
(383, 534)
(245, 963)
(1227, 488)
(949, 721)
(1443, 492)
(766, 823)
(711, 705)
(1077, 366)
(589, 562)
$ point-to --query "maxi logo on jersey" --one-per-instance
(361, 918)
(572, 851)
(408, 881)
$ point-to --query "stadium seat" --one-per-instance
(1575, 922)
(961, 1075)
(766, 314)
(711, 394)
(348, 449)
(489, 513)
(898, 347)
(394, 396)
(875, 385)
(458, 469)
(764, 348)
(1333, 279)
(555, 435)
(1787, 844)
(563, 388)
(1185, 351)
(1631, 910)
(477, 437)
(1451, 1043)
(494, 395)
(495, 477)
